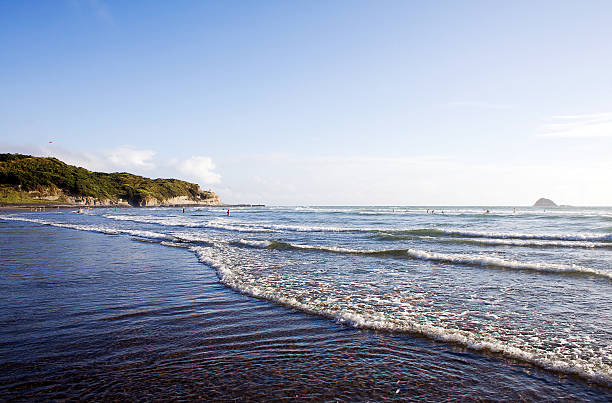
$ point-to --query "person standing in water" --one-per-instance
(228, 213)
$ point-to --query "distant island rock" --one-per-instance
(543, 202)
(25, 179)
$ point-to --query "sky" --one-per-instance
(320, 102)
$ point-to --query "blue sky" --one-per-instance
(312, 102)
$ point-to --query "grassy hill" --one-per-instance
(27, 179)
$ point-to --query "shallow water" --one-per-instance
(352, 303)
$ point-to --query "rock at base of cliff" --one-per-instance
(543, 202)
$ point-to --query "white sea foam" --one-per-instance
(255, 243)
(231, 224)
(478, 260)
(228, 224)
(92, 228)
(223, 258)
(241, 226)
(223, 224)
(225, 268)
(594, 237)
(529, 242)
(504, 212)
(475, 342)
(481, 260)
(173, 238)
(150, 219)
(456, 258)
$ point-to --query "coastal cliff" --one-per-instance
(27, 179)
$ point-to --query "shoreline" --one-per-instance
(32, 207)
(169, 331)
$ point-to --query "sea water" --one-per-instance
(526, 286)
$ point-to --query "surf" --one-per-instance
(416, 254)
(225, 268)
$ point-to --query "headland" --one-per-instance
(28, 182)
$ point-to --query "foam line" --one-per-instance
(223, 266)
(465, 259)
(238, 226)
(438, 232)
(90, 228)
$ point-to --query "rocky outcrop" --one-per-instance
(183, 201)
(203, 199)
(543, 202)
(57, 195)
(90, 201)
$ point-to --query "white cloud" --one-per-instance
(587, 125)
(131, 158)
(199, 168)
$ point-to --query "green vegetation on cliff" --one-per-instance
(24, 178)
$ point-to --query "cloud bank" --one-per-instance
(200, 168)
(131, 158)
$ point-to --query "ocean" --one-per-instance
(318, 303)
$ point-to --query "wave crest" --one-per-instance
(463, 259)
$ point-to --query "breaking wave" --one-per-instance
(224, 267)
(533, 243)
(463, 259)
(229, 224)
(210, 251)
(93, 228)
(175, 237)
(437, 232)
(410, 253)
